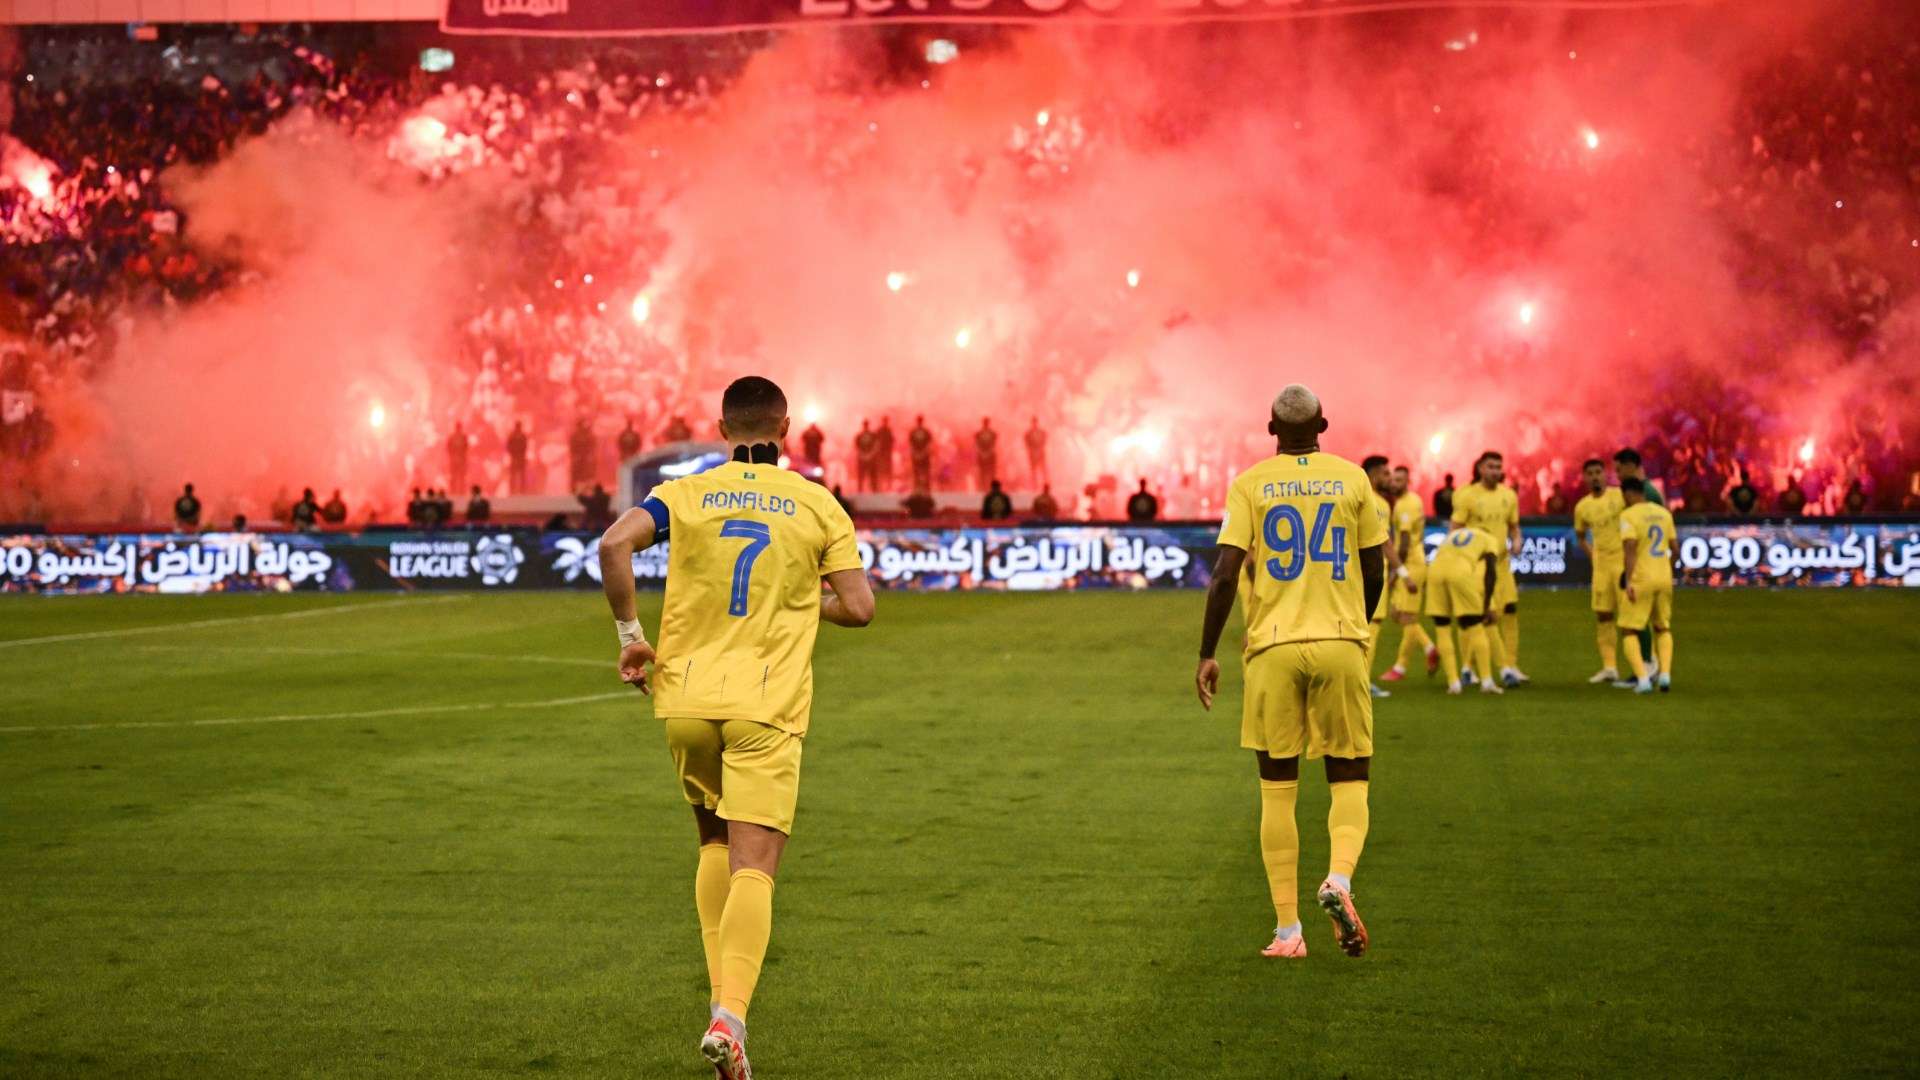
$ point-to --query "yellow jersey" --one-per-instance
(1410, 521)
(1302, 519)
(1652, 525)
(1600, 515)
(1462, 552)
(747, 546)
(1496, 511)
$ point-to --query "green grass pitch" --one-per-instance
(389, 839)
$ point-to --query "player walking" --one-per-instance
(1596, 524)
(733, 676)
(1296, 526)
(1648, 540)
(1492, 507)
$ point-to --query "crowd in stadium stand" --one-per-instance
(96, 237)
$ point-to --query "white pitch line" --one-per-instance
(418, 654)
(163, 628)
(366, 714)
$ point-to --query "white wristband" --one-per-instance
(629, 631)
(1405, 573)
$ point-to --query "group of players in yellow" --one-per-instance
(1316, 550)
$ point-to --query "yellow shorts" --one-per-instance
(1404, 601)
(1505, 590)
(1654, 607)
(1606, 583)
(739, 769)
(1308, 697)
(1449, 596)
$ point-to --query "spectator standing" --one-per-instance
(598, 507)
(1045, 506)
(457, 446)
(677, 431)
(866, 456)
(811, 442)
(306, 512)
(1855, 502)
(1792, 501)
(580, 451)
(986, 453)
(335, 511)
(996, 506)
(920, 454)
(883, 450)
(1743, 499)
(1037, 454)
(516, 460)
(186, 510)
(1142, 507)
(629, 442)
(1443, 499)
(479, 510)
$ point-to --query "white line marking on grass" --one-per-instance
(417, 654)
(163, 628)
(365, 714)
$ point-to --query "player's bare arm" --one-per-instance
(1220, 593)
(1493, 575)
(1373, 574)
(850, 602)
(633, 531)
(1630, 548)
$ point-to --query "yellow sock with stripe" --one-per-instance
(1347, 826)
(1280, 848)
(1609, 640)
(1449, 663)
(1663, 648)
(1413, 647)
(745, 926)
(1634, 658)
(710, 899)
(1510, 636)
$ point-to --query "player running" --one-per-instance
(1460, 587)
(1492, 507)
(733, 675)
(1407, 541)
(1648, 540)
(1596, 524)
(1294, 524)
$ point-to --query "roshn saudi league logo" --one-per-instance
(498, 560)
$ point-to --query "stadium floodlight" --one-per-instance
(1806, 451)
(1591, 138)
(642, 308)
(896, 280)
(1434, 444)
(962, 338)
(942, 51)
(1133, 279)
(377, 416)
(1526, 313)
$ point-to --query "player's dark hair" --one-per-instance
(1591, 462)
(1372, 462)
(1634, 484)
(753, 406)
(1485, 456)
(1627, 456)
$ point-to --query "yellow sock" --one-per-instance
(1634, 659)
(1477, 644)
(1280, 847)
(1663, 648)
(1510, 636)
(710, 899)
(1496, 649)
(1449, 663)
(1347, 825)
(745, 926)
(1609, 640)
(1373, 644)
(1413, 647)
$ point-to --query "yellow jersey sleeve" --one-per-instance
(1236, 526)
(843, 549)
(1463, 500)
(1373, 520)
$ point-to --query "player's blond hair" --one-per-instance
(1296, 405)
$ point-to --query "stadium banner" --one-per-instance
(1015, 558)
(599, 17)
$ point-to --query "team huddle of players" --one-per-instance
(1467, 587)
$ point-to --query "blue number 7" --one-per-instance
(758, 537)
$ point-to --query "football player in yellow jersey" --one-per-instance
(733, 675)
(1460, 586)
(1303, 543)
(1491, 506)
(1407, 541)
(1380, 483)
(1596, 524)
(1648, 541)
